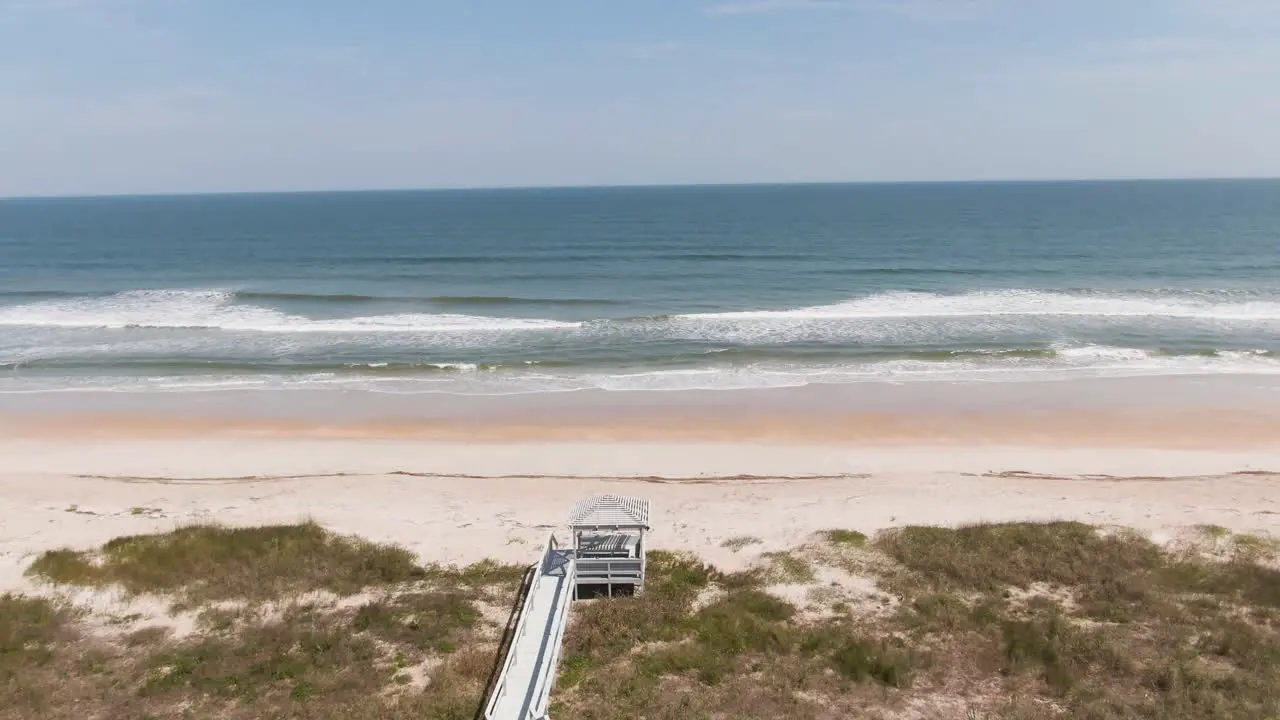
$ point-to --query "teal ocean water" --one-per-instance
(524, 291)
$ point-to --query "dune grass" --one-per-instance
(788, 568)
(989, 558)
(1106, 624)
(29, 630)
(851, 538)
(740, 542)
(699, 642)
(1015, 621)
(210, 563)
(262, 648)
(421, 620)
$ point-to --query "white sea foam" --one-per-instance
(1083, 329)
(905, 318)
(996, 303)
(216, 310)
(1100, 353)
(458, 366)
(899, 316)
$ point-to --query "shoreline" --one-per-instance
(1191, 412)
(1234, 430)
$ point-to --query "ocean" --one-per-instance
(495, 292)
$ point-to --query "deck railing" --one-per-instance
(547, 670)
(537, 709)
(590, 568)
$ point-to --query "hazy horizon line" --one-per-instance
(639, 186)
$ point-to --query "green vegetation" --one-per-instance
(851, 538)
(1103, 624)
(990, 558)
(417, 647)
(790, 568)
(740, 542)
(862, 660)
(421, 620)
(1017, 621)
(699, 642)
(30, 628)
(211, 563)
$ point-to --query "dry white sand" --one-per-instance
(459, 503)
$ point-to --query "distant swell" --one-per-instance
(716, 257)
(251, 295)
(500, 300)
(341, 298)
(218, 310)
(42, 294)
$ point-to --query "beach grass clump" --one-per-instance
(66, 567)
(699, 642)
(677, 575)
(302, 654)
(947, 613)
(859, 660)
(738, 623)
(1099, 623)
(845, 538)
(211, 563)
(740, 542)
(603, 631)
(33, 632)
(263, 645)
(1059, 651)
(29, 627)
(788, 568)
(485, 573)
(992, 557)
(421, 620)
(312, 662)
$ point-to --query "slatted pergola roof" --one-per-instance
(610, 511)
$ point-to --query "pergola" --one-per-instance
(608, 541)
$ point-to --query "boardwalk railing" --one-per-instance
(528, 672)
(546, 678)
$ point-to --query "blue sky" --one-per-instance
(137, 96)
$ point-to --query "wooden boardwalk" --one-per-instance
(608, 551)
(523, 687)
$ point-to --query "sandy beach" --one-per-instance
(458, 502)
(752, 486)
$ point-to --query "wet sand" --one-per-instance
(1198, 412)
